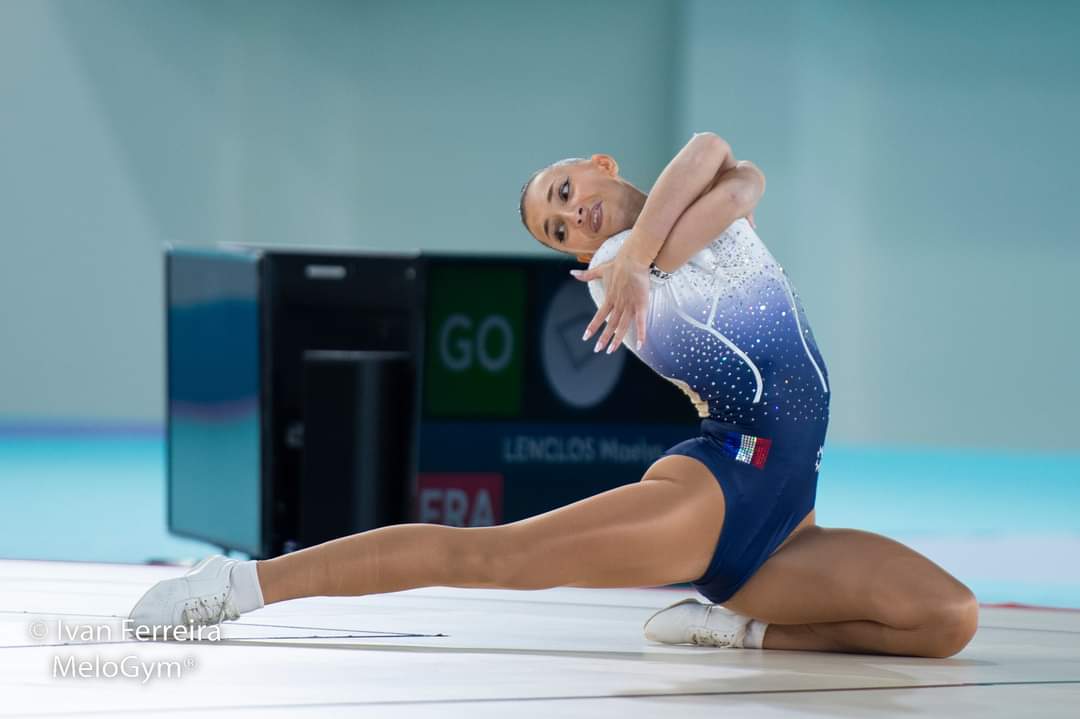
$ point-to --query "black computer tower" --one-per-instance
(255, 339)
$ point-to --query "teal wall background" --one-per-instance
(127, 124)
(922, 178)
(921, 161)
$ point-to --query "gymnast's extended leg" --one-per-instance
(660, 530)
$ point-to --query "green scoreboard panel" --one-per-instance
(475, 341)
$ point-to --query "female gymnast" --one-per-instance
(682, 278)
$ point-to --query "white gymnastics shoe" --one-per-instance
(692, 622)
(202, 597)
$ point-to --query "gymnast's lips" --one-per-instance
(596, 216)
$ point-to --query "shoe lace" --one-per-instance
(703, 636)
(211, 609)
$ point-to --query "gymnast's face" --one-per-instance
(574, 207)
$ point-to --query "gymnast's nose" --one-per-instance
(575, 217)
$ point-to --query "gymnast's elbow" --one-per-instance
(711, 145)
(745, 192)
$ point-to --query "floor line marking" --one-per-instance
(644, 695)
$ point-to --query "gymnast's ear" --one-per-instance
(585, 258)
(606, 163)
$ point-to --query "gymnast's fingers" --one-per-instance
(591, 273)
(639, 318)
(597, 320)
(605, 337)
(620, 330)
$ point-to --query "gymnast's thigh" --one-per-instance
(708, 507)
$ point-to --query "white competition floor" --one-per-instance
(446, 652)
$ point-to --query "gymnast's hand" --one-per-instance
(626, 299)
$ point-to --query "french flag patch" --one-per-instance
(748, 449)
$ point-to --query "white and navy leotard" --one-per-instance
(728, 327)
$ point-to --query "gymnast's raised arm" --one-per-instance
(701, 192)
(626, 278)
(734, 195)
(689, 175)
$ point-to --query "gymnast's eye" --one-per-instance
(564, 190)
(560, 234)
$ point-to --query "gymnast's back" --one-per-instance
(729, 329)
